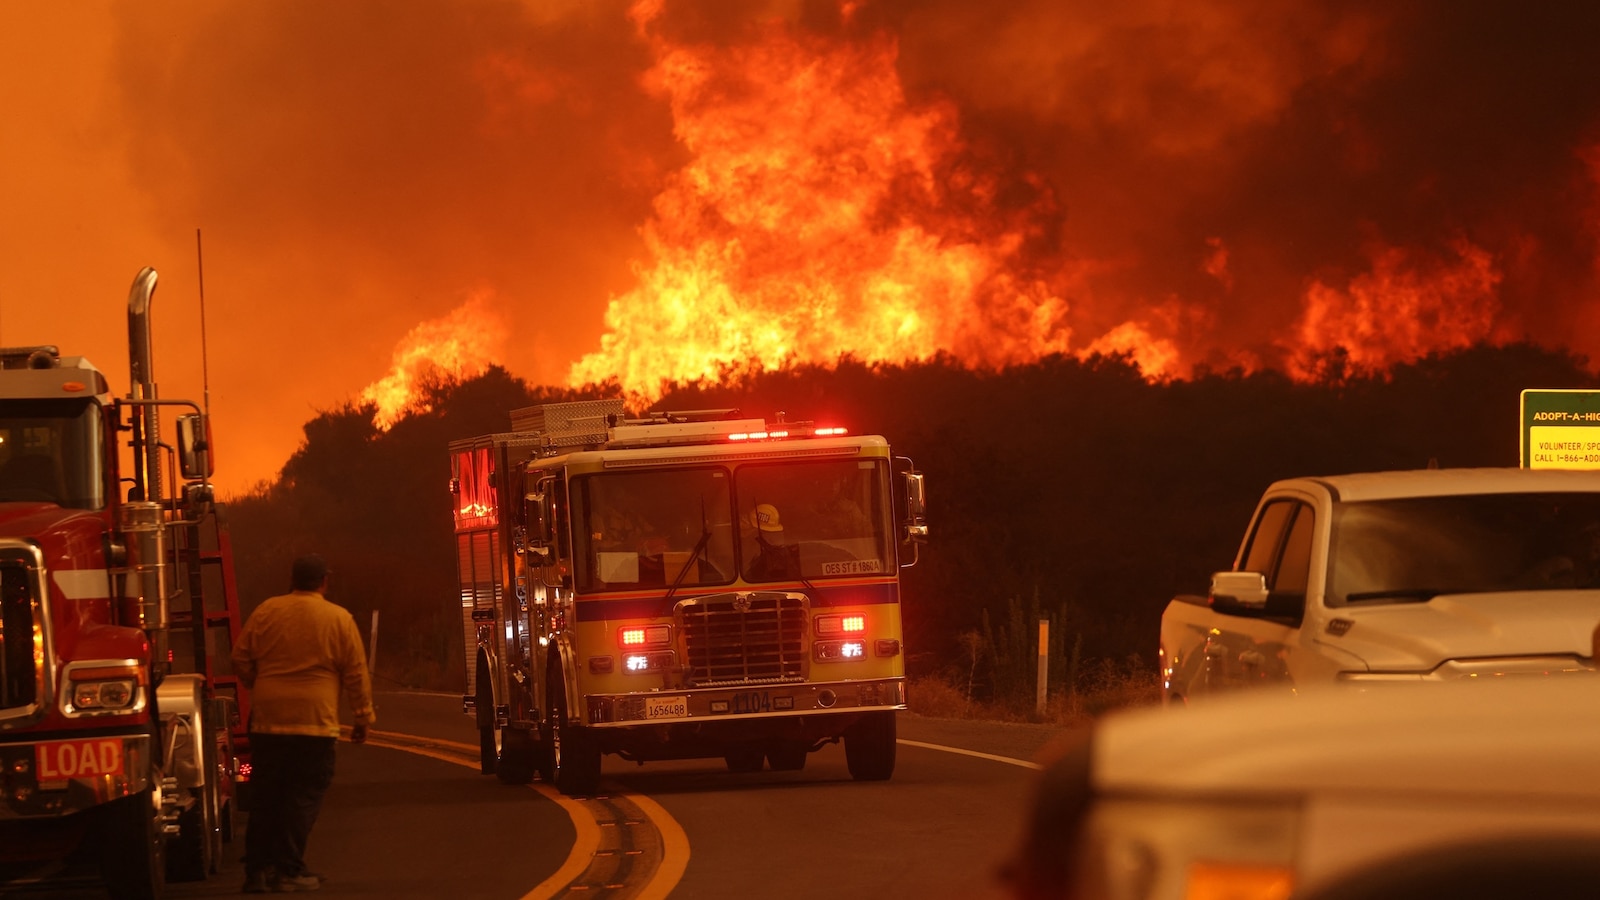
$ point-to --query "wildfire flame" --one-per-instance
(1408, 305)
(456, 346)
(821, 215)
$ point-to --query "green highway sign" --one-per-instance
(1560, 429)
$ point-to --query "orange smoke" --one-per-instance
(457, 346)
(1408, 305)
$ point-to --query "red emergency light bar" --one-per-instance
(779, 433)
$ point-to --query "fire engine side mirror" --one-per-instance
(538, 528)
(541, 535)
(916, 508)
(194, 446)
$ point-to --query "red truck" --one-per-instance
(122, 744)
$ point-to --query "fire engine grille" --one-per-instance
(19, 624)
(744, 638)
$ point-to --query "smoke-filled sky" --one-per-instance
(582, 189)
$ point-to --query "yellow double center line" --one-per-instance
(627, 845)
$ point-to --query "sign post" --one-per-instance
(1560, 429)
(1042, 690)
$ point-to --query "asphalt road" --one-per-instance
(421, 822)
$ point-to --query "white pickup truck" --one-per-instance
(1427, 575)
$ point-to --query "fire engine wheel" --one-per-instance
(574, 758)
(516, 762)
(745, 759)
(545, 755)
(787, 756)
(189, 852)
(132, 847)
(869, 747)
(488, 735)
(228, 821)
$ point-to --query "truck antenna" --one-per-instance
(205, 370)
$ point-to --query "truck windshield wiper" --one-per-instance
(699, 547)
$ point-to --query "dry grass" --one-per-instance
(1106, 690)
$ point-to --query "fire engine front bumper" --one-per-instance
(55, 778)
(743, 702)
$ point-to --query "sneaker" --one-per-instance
(256, 883)
(289, 884)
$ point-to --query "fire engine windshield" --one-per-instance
(811, 520)
(51, 451)
(634, 530)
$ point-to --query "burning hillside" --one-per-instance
(826, 210)
(668, 190)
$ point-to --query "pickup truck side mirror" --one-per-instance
(1246, 594)
(1238, 592)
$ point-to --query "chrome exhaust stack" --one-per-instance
(142, 386)
(143, 517)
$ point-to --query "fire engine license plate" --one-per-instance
(60, 760)
(666, 707)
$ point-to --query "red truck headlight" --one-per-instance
(103, 690)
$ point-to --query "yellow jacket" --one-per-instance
(295, 653)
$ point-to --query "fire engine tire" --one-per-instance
(227, 822)
(488, 751)
(787, 756)
(869, 747)
(577, 762)
(488, 740)
(744, 759)
(574, 757)
(132, 848)
(189, 851)
(516, 762)
(544, 759)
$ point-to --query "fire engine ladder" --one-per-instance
(214, 592)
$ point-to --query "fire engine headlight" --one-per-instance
(639, 663)
(839, 651)
(113, 695)
(104, 695)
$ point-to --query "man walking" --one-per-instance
(296, 653)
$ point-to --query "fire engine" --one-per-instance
(120, 720)
(681, 585)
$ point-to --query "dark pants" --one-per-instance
(289, 774)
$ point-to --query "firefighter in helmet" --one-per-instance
(774, 558)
